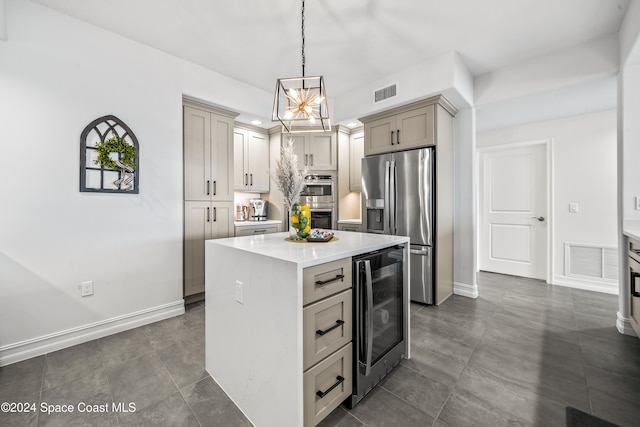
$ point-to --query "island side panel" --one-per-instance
(254, 349)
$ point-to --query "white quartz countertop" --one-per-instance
(350, 221)
(631, 228)
(257, 223)
(307, 254)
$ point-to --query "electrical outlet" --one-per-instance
(86, 288)
(239, 292)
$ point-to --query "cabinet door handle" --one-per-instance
(208, 185)
(333, 279)
(392, 132)
(215, 215)
(311, 159)
(634, 276)
(215, 188)
(306, 159)
(322, 394)
(398, 137)
(208, 214)
(326, 331)
(251, 182)
(259, 231)
(246, 179)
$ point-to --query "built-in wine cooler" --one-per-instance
(379, 318)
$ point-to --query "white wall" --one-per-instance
(58, 74)
(584, 151)
(465, 222)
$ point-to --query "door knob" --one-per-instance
(539, 218)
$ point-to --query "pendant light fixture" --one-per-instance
(300, 103)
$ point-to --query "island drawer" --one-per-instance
(327, 327)
(321, 281)
(327, 385)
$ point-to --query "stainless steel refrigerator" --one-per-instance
(398, 198)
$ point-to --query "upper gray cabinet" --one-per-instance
(251, 160)
(356, 153)
(401, 131)
(208, 155)
(317, 151)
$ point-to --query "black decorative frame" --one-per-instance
(101, 130)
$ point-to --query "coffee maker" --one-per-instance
(258, 209)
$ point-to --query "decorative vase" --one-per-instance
(299, 222)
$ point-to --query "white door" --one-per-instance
(513, 211)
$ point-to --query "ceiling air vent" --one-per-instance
(385, 93)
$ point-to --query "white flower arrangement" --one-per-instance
(287, 176)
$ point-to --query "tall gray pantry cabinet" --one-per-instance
(208, 187)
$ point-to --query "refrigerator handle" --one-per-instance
(369, 325)
(387, 206)
(393, 225)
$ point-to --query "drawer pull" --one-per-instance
(326, 331)
(322, 394)
(326, 282)
(634, 276)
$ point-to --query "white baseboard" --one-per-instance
(27, 349)
(606, 287)
(624, 327)
(462, 289)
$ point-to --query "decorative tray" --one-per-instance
(320, 236)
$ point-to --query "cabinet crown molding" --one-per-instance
(204, 105)
(438, 99)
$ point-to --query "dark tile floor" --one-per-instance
(518, 355)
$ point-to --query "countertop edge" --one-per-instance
(631, 228)
(316, 259)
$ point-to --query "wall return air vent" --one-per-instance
(385, 93)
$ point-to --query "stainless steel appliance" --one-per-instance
(379, 318)
(241, 212)
(320, 194)
(258, 209)
(398, 198)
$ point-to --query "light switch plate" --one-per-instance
(573, 207)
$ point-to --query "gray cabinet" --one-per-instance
(254, 230)
(326, 339)
(317, 151)
(356, 153)
(350, 227)
(208, 187)
(208, 155)
(408, 129)
(251, 160)
(203, 220)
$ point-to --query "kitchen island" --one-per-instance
(256, 345)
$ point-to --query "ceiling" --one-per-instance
(350, 42)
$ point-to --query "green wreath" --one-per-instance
(115, 145)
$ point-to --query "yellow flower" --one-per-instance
(307, 229)
(305, 208)
(294, 219)
(306, 214)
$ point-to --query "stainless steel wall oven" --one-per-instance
(379, 318)
(320, 195)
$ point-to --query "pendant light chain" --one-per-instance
(303, 58)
